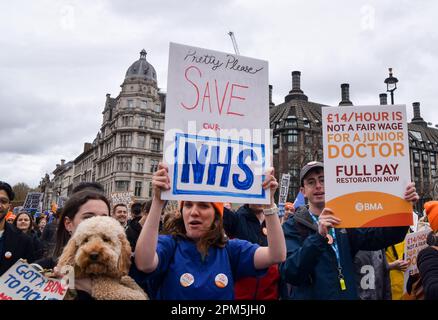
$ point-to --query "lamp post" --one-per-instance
(391, 84)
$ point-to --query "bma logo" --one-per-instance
(367, 206)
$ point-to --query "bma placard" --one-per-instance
(366, 165)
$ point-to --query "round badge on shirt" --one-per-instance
(221, 280)
(8, 254)
(265, 231)
(186, 279)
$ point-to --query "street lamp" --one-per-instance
(391, 84)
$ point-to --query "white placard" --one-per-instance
(23, 282)
(217, 142)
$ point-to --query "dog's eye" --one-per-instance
(85, 240)
(106, 239)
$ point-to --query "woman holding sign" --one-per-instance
(196, 260)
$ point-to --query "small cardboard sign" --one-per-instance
(23, 282)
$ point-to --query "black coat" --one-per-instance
(18, 244)
(427, 263)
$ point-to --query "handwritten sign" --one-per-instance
(217, 142)
(366, 165)
(23, 282)
(32, 200)
(122, 197)
(414, 243)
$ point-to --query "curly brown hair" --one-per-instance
(215, 236)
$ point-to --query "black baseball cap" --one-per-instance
(309, 167)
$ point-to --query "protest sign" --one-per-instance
(414, 243)
(217, 142)
(23, 282)
(284, 189)
(32, 200)
(122, 197)
(366, 165)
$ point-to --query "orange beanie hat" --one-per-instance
(218, 205)
(431, 208)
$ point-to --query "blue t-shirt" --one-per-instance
(185, 276)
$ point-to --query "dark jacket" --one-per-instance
(37, 244)
(311, 265)
(133, 231)
(48, 238)
(18, 244)
(245, 225)
(427, 263)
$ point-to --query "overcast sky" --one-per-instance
(58, 59)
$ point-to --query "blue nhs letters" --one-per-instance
(201, 157)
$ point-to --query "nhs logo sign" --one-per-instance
(212, 166)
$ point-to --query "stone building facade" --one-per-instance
(129, 144)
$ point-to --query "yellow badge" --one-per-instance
(221, 280)
(186, 279)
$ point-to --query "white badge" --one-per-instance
(186, 279)
(221, 280)
(8, 254)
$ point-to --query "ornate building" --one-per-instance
(128, 147)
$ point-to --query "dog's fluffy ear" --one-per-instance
(68, 254)
(125, 256)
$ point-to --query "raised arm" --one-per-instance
(146, 258)
(275, 252)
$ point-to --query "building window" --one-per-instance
(155, 144)
(291, 122)
(140, 163)
(157, 108)
(144, 104)
(130, 103)
(425, 157)
(432, 158)
(141, 141)
(125, 139)
(137, 191)
(275, 140)
(127, 121)
(309, 140)
(417, 171)
(156, 124)
(416, 156)
(306, 124)
(122, 186)
(292, 138)
(123, 164)
(142, 122)
(154, 166)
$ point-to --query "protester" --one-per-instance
(120, 213)
(372, 274)
(197, 261)
(80, 206)
(14, 244)
(427, 260)
(397, 267)
(48, 237)
(289, 210)
(248, 223)
(315, 268)
(137, 222)
(25, 224)
(40, 224)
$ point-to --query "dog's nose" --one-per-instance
(94, 256)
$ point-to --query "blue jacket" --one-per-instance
(311, 266)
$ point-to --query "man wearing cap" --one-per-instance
(319, 262)
(14, 244)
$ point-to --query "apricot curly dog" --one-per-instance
(100, 251)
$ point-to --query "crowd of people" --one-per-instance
(209, 251)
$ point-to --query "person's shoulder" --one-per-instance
(427, 253)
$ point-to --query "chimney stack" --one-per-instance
(383, 97)
(296, 93)
(62, 162)
(271, 104)
(417, 119)
(345, 95)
